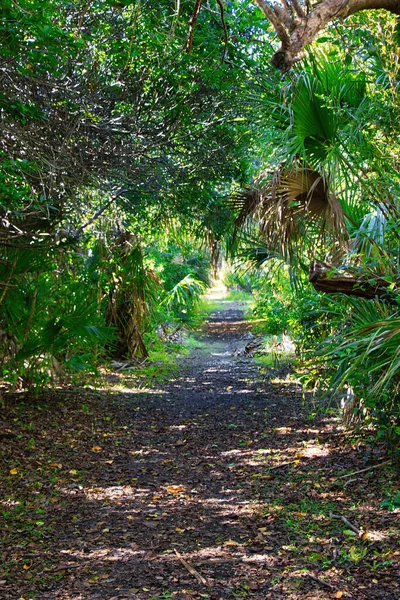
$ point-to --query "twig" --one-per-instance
(359, 532)
(222, 12)
(378, 466)
(191, 569)
(279, 466)
(321, 581)
(98, 213)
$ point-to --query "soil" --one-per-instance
(219, 483)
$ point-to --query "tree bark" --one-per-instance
(297, 25)
(331, 280)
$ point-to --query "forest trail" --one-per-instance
(214, 485)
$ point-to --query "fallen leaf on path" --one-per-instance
(231, 543)
(174, 489)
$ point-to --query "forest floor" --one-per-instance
(218, 483)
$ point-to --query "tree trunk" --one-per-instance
(333, 280)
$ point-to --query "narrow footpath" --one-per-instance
(217, 484)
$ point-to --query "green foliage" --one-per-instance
(365, 359)
(184, 295)
(327, 190)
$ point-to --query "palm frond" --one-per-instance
(187, 290)
(371, 345)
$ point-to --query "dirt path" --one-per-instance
(217, 485)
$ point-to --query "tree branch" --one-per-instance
(333, 280)
(192, 24)
(298, 26)
(98, 213)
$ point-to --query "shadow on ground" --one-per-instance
(218, 485)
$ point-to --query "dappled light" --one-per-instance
(214, 481)
(199, 300)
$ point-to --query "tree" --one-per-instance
(298, 24)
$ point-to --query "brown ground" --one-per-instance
(217, 484)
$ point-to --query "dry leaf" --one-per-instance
(174, 489)
(338, 595)
(231, 543)
(96, 448)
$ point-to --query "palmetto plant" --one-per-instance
(330, 195)
(295, 210)
(45, 313)
(366, 360)
(133, 285)
(185, 294)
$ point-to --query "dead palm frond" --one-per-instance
(296, 205)
(246, 203)
(128, 306)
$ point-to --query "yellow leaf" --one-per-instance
(174, 489)
(96, 448)
(231, 543)
(338, 595)
(54, 465)
(13, 472)
(179, 530)
(26, 567)
(364, 535)
(129, 517)
(109, 462)
(73, 472)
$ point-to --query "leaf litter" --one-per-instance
(217, 485)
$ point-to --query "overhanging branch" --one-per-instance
(330, 280)
(297, 25)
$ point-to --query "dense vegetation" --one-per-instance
(137, 149)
